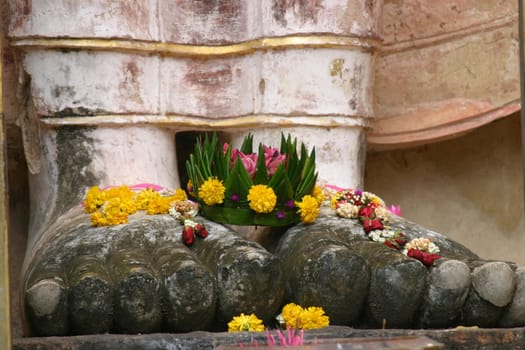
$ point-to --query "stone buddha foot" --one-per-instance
(366, 284)
(140, 277)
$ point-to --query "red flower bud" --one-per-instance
(370, 225)
(391, 245)
(367, 212)
(187, 235)
(426, 258)
(201, 231)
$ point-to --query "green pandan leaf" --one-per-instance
(247, 144)
(261, 173)
(238, 182)
(309, 177)
(222, 162)
(281, 185)
(278, 176)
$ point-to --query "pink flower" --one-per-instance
(335, 188)
(395, 209)
(145, 186)
(248, 160)
(273, 158)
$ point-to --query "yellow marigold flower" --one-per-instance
(374, 198)
(333, 201)
(143, 198)
(158, 205)
(249, 323)
(122, 192)
(314, 317)
(318, 194)
(99, 219)
(212, 191)
(180, 195)
(297, 317)
(95, 198)
(117, 210)
(262, 199)
(308, 209)
(291, 314)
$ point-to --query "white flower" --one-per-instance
(347, 210)
(422, 244)
(173, 212)
(382, 213)
(186, 209)
(376, 236)
(433, 248)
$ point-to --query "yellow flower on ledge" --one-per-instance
(297, 317)
(308, 209)
(245, 323)
(314, 317)
(212, 191)
(262, 199)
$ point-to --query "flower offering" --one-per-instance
(270, 187)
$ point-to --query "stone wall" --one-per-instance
(469, 188)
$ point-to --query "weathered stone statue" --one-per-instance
(109, 98)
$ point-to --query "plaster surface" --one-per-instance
(469, 188)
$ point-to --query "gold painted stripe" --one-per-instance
(5, 307)
(201, 123)
(186, 50)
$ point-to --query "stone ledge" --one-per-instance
(455, 339)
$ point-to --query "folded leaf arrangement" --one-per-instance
(273, 187)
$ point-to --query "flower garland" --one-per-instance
(113, 205)
(372, 213)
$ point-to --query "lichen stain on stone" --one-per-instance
(130, 86)
(262, 86)
(306, 10)
(74, 154)
(64, 91)
(329, 152)
(336, 67)
(228, 13)
(20, 10)
(208, 78)
(134, 12)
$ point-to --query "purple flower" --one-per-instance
(280, 215)
(358, 192)
(289, 204)
(235, 198)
